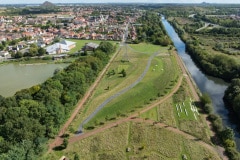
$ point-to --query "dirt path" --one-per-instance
(96, 131)
(124, 90)
(133, 116)
(188, 77)
(193, 89)
(58, 140)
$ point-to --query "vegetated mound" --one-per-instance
(47, 4)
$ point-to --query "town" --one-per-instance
(116, 80)
(21, 35)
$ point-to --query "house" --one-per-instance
(4, 53)
(90, 46)
(61, 47)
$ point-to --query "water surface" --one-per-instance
(14, 77)
(214, 87)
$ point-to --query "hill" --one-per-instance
(47, 4)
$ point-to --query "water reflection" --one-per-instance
(14, 77)
(213, 86)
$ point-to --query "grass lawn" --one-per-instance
(134, 68)
(81, 43)
(159, 80)
(167, 113)
(145, 142)
(186, 110)
(151, 114)
(147, 47)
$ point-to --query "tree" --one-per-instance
(76, 157)
(32, 52)
(106, 47)
(1, 47)
(124, 74)
(41, 51)
(65, 143)
(227, 133)
(205, 99)
(18, 55)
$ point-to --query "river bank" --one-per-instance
(212, 86)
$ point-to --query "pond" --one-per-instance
(14, 77)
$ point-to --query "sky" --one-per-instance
(115, 1)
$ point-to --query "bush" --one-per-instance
(232, 153)
(208, 108)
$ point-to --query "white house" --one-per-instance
(4, 53)
(61, 47)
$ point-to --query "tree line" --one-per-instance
(34, 115)
(151, 30)
(224, 135)
(221, 66)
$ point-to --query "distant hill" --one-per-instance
(47, 4)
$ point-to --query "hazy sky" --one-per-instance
(115, 1)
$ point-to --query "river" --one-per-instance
(14, 77)
(214, 87)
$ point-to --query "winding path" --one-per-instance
(80, 129)
(58, 140)
(133, 116)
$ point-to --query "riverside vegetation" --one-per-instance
(212, 41)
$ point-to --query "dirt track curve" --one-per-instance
(58, 140)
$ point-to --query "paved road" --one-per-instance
(80, 129)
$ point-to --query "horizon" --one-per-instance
(13, 2)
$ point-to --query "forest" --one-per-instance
(34, 115)
(151, 30)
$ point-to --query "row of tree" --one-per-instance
(32, 116)
(218, 65)
(223, 134)
(152, 30)
(32, 51)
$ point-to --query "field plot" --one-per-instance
(158, 81)
(186, 110)
(113, 82)
(179, 112)
(135, 141)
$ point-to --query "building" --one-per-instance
(61, 47)
(90, 46)
(4, 54)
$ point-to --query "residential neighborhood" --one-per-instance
(51, 31)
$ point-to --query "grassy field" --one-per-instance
(155, 84)
(143, 141)
(171, 114)
(115, 82)
(145, 47)
(208, 42)
(81, 43)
